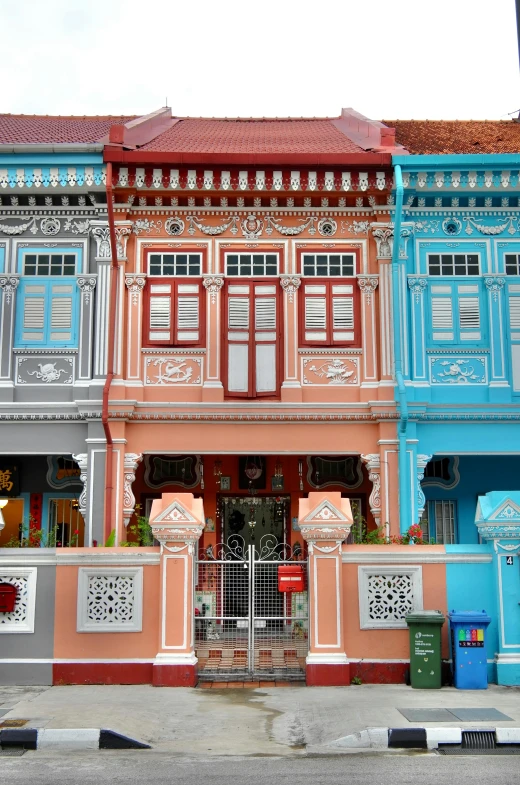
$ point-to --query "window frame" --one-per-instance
(252, 252)
(173, 296)
(327, 252)
(430, 514)
(455, 296)
(188, 251)
(329, 283)
(454, 274)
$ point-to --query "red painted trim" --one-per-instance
(175, 676)
(35, 510)
(102, 673)
(379, 672)
(327, 675)
(189, 160)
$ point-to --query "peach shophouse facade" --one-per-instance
(245, 404)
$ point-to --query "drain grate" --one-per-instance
(478, 742)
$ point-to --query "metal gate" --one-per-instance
(245, 628)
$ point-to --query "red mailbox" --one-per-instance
(291, 577)
(8, 594)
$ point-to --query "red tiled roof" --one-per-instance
(430, 137)
(241, 136)
(40, 129)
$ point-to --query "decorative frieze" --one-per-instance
(174, 371)
(45, 371)
(448, 370)
(51, 177)
(319, 371)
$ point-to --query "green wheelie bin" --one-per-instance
(425, 649)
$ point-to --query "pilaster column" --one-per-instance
(86, 284)
(212, 389)
(373, 463)
(497, 338)
(291, 386)
(368, 284)
(325, 520)
(498, 522)
(418, 286)
(177, 521)
(8, 286)
(135, 283)
(132, 461)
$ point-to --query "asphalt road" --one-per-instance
(154, 768)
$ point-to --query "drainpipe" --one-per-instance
(114, 274)
(404, 502)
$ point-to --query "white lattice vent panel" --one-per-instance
(387, 595)
(110, 600)
(22, 618)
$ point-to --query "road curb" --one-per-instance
(416, 738)
(67, 739)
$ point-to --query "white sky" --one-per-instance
(440, 59)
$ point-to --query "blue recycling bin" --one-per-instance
(468, 649)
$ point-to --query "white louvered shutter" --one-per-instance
(514, 326)
(469, 312)
(33, 324)
(238, 337)
(188, 313)
(61, 328)
(160, 326)
(514, 317)
(342, 313)
(442, 313)
(315, 313)
(265, 299)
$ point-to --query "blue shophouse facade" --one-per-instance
(456, 300)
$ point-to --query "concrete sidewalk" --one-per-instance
(266, 720)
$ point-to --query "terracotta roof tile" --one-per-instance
(281, 136)
(40, 129)
(430, 137)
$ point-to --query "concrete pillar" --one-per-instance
(325, 521)
(177, 521)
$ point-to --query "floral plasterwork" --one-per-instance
(458, 370)
(176, 371)
(330, 371)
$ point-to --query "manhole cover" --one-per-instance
(13, 723)
(454, 749)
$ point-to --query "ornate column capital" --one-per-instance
(494, 285)
(290, 284)
(417, 286)
(213, 284)
(131, 462)
(177, 521)
(82, 461)
(422, 461)
(384, 237)
(325, 518)
(87, 284)
(368, 285)
(135, 284)
(123, 231)
(373, 463)
(9, 284)
(101, 234)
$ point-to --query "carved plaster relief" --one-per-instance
(458, 370)
(320, 371)
(173, 371)
(44, 370)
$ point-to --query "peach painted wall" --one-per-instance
(125, 645)
(381, 644)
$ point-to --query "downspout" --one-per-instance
(114, 273)
(398, 360)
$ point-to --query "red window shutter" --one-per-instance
(328, 313)
(188, 319)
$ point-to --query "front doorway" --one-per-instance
(245, 627)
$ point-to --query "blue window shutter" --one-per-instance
(47, 312)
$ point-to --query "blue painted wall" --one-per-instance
(472, 587)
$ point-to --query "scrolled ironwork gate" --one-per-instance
(245, 628)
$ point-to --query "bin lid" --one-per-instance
(425, 617)
(469, 617)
